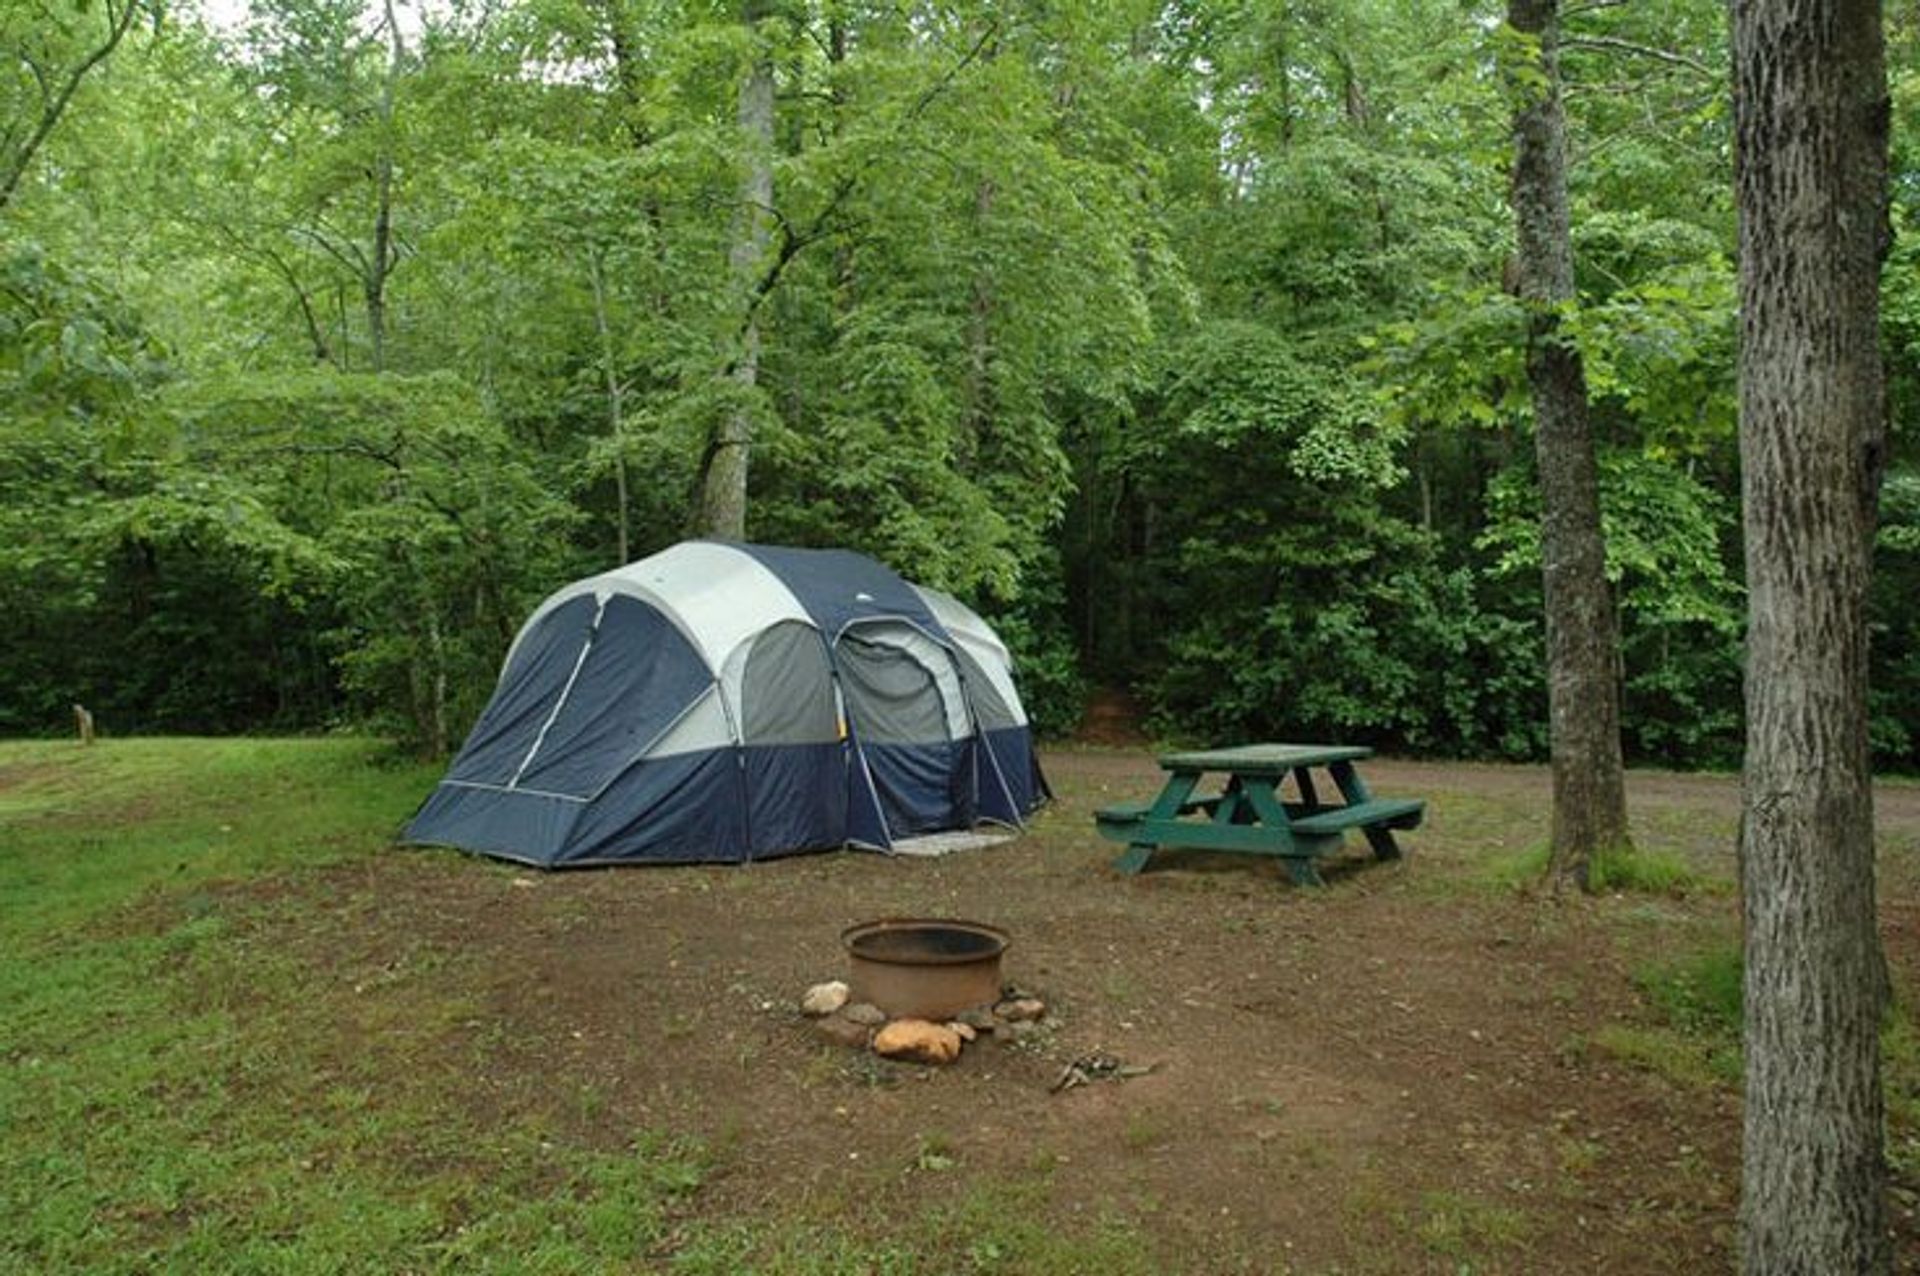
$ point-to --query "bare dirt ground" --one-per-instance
(1396, 1073)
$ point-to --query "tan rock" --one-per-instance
(918, 1041)
(1021, 1009)
(824, 999)
(865, 1012)
(964, 1031)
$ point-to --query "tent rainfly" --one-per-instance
(730, 702)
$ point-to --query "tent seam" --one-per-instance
(502, 788)
(579, 663)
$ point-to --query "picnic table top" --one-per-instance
(1262, 759)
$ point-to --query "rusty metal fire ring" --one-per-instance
(924, 967)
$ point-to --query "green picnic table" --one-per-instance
(1251, 814)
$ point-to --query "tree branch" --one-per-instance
(39, 78)
(792, 241)
(1639, 50)
(357, 263)
(118, 23)
(282, 267)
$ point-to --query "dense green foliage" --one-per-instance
(1173, 336)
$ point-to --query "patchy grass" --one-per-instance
(1900, 1045)
(244, 1035)
(1696, 1001)
(1699, 993)
(1693, 1036)
(993, 1228)
(1461, 1227)
(170, 1097)
(90, 828)
(1632, 871)
(179, 1094)
(1680, 1058)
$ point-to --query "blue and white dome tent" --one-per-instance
(730, 702)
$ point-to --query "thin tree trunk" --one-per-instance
(340, 321)
(379, 264)
(616, 398)
(979, 405)
(1283, 63)
(723, 495)
(979, 385)
(437, 738)
(1589, 784)
(845, 282)
(1810, 108)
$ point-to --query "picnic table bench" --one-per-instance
(1251, 814)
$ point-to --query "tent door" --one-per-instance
(907, 720)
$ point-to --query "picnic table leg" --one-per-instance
(1354, 790)
(1352, 787)
(1178, 788)
(1304, 779)
(1233, 807)
(1301, 870)
(1380, 838)
(1263, 796)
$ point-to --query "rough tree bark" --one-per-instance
(1810, 107)
(1589, 786)
(723, 489)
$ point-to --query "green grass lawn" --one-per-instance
(172, 1102)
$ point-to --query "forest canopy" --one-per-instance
(1178, 338)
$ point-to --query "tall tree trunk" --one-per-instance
(1283, 66)
(978, 388)
(723, 495)
(438, 737)
(979, 384)
(1589, 785)
(1810, 109)
(616, 398)
(845, 282)
(341, 326)
(379, 262)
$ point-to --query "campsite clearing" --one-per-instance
(244, 1034)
